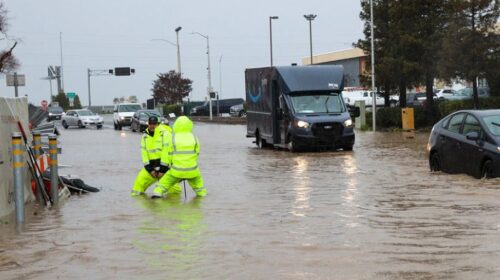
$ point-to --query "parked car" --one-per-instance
(350, 98)
(237, 110)
(412, 98)
(55, 113)
(81, 118)
(122, 114)
(445, 93)
(466, 93)
(222, 104)
(140, 119)
(466, 142)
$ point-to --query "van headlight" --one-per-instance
(302, 124)
(348, 123)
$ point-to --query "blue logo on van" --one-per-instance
(255, 98)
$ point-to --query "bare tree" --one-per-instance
(7, 60)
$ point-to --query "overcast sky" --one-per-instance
(103, 34)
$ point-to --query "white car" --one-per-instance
(445, 93)
(350, 98)
(81, 118)
(123, 113)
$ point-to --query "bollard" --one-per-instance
(360, 121)
(37, 149)
(54, 177)
(18, 166)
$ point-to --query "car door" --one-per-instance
(472, 150)
(450, 143)
(70, 120)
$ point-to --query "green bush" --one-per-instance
(392, 117)
(175, 108)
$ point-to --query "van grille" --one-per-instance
(327, 129)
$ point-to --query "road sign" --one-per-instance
(15, 80)
(71, 95)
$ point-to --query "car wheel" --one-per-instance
(115, 126)
(132, 127)
(119, 127)
(64, 124)
(487, 169)
(99, 126)
(435, 162)
(240, 114)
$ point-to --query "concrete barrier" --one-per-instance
(8, 125)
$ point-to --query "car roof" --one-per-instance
(481, 113)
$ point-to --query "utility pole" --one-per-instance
(310, 18)
(62, 69)
(209, 89)
(374, 101)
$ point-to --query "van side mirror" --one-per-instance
(354, 111)
(280, 114)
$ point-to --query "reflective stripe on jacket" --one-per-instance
(151, 146)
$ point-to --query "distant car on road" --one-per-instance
(222, 104)
(140, 119)
(81, 118)
(55, 113)
(466, 142)
(237, 110)
(122, 114)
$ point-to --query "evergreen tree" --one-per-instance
(62, 100)
(470, 44)
(76, 103)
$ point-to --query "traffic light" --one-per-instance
(124, 71)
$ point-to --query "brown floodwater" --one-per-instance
(373, 213)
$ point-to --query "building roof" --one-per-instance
(334, 56)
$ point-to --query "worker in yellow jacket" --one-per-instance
(153, 142)
(182, 157)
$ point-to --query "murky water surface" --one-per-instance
(374, 213)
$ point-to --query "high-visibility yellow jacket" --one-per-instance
(152, 145)
(183, 151)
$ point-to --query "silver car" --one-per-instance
(81, 118)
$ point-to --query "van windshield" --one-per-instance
(129, 108)
(317, 103)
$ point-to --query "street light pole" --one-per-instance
(310, 18)
(271, 36)
(374, 102)
(209, 89)
(178, 50)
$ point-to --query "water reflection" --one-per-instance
(173, 233)
(301, 186)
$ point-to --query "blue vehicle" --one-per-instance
(468, 142)
(298, 108)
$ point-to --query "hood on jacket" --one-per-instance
(183, 124)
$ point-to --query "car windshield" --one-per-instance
(129, 108)
(85, 113)
(56, 110)
(317, 103)
(493, 124)
(146, 115)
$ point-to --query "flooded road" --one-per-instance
(374, 213)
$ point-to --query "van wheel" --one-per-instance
(347, 148)
(258, 140)
(487, 170)
(293, 146)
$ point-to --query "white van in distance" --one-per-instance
(122, 114)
